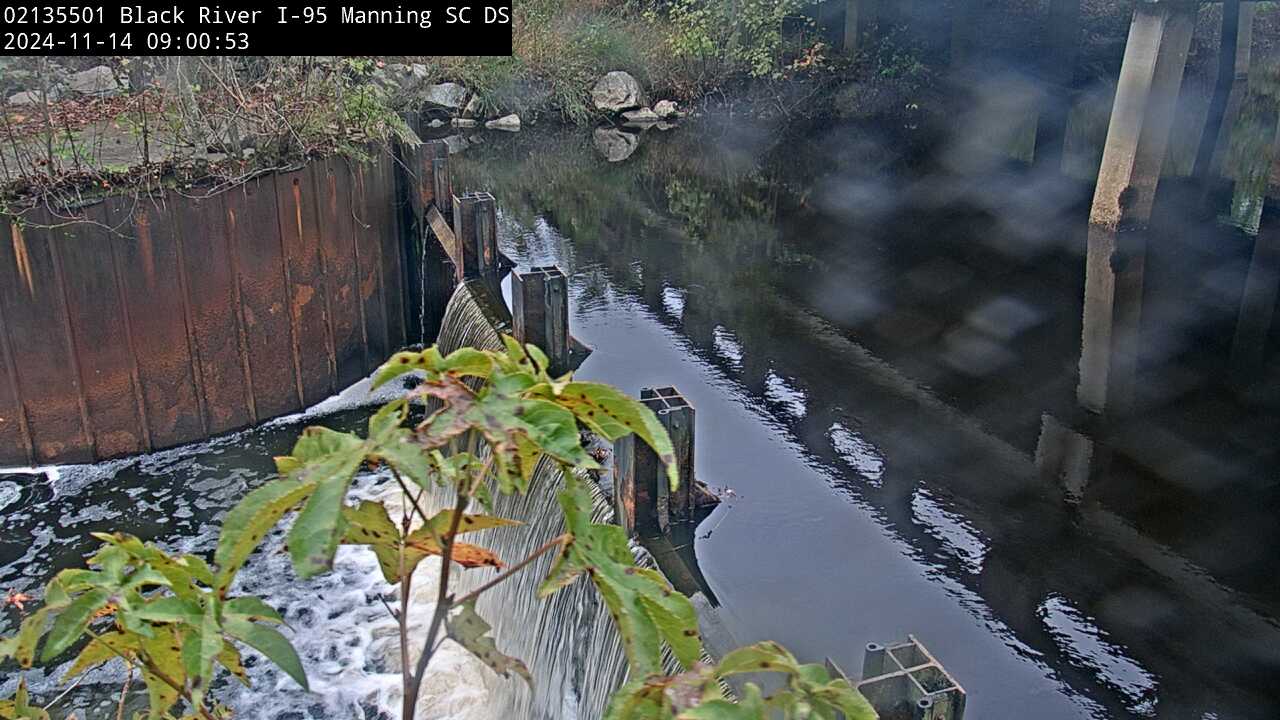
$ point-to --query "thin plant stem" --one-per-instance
(549, 545)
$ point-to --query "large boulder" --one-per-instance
(614, 144)
(666, 109)
(450, 96)
(617, 91)
(34, 97)
(509, 123)
(99, 81)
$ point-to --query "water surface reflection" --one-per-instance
(886, 356)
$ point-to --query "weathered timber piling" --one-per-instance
(540, 309)
(645, 502)
(475, 230)
(425, 192)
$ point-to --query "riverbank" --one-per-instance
(82, 126)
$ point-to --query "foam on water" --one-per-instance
(344, 634)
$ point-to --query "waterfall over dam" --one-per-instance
(568, 640)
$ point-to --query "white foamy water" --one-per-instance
(349, 641)
(343, 632)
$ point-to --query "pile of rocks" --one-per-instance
(97, 81)
(410, 86)
(619, 93)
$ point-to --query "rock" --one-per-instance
(666, 109)
(617, 91)
(99, 80)
(474, 107)
(451, 96)
(465, 123)
(437, 123)
(643, 116)
(456, 144)
(614, 144)
(508, 123)
(34, 97)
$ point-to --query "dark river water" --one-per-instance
(885, 353)
(885, 357)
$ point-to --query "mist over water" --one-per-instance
(882, 330)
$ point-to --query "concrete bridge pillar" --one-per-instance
(1109, 344)
(964, 26)
(1238, 79)
(859, 17)
(1132, 160)
(1061, 47)
(1142, 117)
(1258, 303)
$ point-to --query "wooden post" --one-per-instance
(643, 498)
(422, 171)
(540, 310)
(441, 179)
(475, 227)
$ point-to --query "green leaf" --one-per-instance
(101, 649)
(229, 658)
(250, 520)
(403, 363)
(613, 414)
(165, 650)
(765, 656)
(468, 629)
(24, 647)
(749, 707)
(314, 537)
(466, 362)
(169, 610)
(201, 647)
(270, 643)
(72, 621)
(645, 608)
(369, 524)
(252, 609)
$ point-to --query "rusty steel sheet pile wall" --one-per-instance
(148, 322)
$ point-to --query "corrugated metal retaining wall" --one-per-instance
(159, 321)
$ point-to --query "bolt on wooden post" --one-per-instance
(475, 227)
(643, 499)
(540, 312)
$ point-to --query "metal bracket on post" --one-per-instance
(540, 308)
(904, 680)
(643, 497)
(475, 227)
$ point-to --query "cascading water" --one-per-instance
(342, 630)
(568, 640)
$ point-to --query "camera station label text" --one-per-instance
(476, 27)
